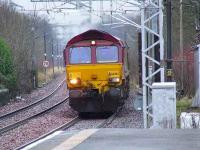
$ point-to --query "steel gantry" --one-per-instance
(149, 15)
(151, 28)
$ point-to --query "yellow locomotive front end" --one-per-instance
(94, 88)
(96, 76)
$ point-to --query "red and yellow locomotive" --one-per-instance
(97, 72)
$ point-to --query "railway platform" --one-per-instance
(120, 139)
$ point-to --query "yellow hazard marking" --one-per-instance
(75, 139)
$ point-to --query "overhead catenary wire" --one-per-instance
(53, 9)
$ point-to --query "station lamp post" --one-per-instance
(52, 56)
(34, 67)
(45, 55)
(169, 40)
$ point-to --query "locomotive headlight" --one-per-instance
(114, 80)
(93, 42)
(73, 81)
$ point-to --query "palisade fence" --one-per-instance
(184, 78)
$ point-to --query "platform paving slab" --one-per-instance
(123, 139)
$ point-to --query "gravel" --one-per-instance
(128, 116)
(26, 99)
(86, 124)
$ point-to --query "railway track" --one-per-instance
(70, 124)
(21, 122)
(32, 104)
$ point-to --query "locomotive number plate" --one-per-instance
(113, 73)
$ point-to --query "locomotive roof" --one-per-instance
(94, 35)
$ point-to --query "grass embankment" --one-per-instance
(50, 76)
(184, 105)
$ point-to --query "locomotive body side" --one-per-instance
(97, 78)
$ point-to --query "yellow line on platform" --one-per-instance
(75, 139)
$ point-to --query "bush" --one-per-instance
(7, 72)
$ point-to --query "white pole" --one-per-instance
(144, 66)
(162, 73)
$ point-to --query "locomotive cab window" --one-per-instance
(80, 55)
(105, 54)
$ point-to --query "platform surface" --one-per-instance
(121, 139)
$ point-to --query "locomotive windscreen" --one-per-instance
(106, 54)
(80, 55)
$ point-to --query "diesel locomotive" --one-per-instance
(97, 72)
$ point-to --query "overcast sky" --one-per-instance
(73, 17)
(69, 16)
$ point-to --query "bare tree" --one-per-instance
(24, 33)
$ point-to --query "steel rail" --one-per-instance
(110, 119)
(32, 104)
(21, 122)
(62, 127)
